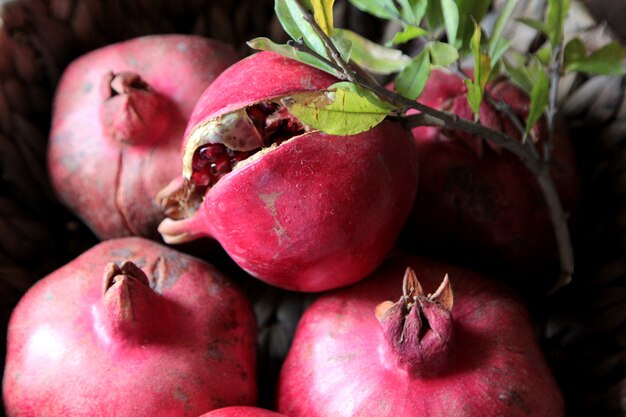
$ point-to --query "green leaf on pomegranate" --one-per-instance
(557, 13)
(343, 44)
(411, 81)
(291, 15)
(608, 60)
(539, 97)
(498, 45)
(344, 109)
(442, 54)
(450, 19)
(408, 34)
(474, 97)
(385, 9)
(265, 44)
(373, 57)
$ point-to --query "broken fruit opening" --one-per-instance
(217, 147)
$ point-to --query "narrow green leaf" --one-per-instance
(289, 13)
(469, 11)
(343, 44)
(535, 24)
(474, 97)
(519, 76)
(363, 92)
(323, 14)
(557, 13)
(499, 51)
(574, 51)
(496, 35)
(385, 9)
(340, 111)
(408, 34)
(411, 81)
(451, 19)
(265, 44)
(418, 7)
(608, 60)
(442, 54)
(374, 57)
(539, 97)
(434, 15)
(524, 74)
(543, 54)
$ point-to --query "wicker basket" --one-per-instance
(582, 327)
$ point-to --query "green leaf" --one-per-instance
(291, 17)
(496, 36)
(343, 44)
(265, 44)
(574, 51)
(499, 51)
(482, 63)
(418, 9)
(608, 60)
(557, 13)
(524, 74)
(434, 15)
(409, 33)
(373, 57)
(411, 81)
(543, 54)
(385, 9)
(451, 19)
(342, 110)
(535, 24)
(364, 93)
(470, 11)
(474, 97)
(442, 54)
(323, 14)
(539, 97)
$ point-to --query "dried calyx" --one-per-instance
(418, 328)
(131, 111)
(215, 148)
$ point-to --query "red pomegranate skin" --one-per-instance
(317, 212)
(480, 204)
(340, 364)
(242, 411)
(110, 152)
(180, 343)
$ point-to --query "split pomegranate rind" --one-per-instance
(431, 353)
(302, 209)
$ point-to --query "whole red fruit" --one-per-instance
(479, 203)
(130, 328)
(462, 348)
(242, 411)
(294, 207)
(118, 119)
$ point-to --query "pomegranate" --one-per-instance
(241, 411)
(118, 118)
(479, 203)
(160, 334)
(295, 207)
(431, 353)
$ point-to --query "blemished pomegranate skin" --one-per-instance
(309, 211)
(130, 328)
(464, 347)
(119, 114)
(477, 203)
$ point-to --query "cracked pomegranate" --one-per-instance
(295, 207)
(476, 202)
(118, 119)
(464, 347)
(130, 328)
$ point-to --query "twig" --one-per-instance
(429, 116)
